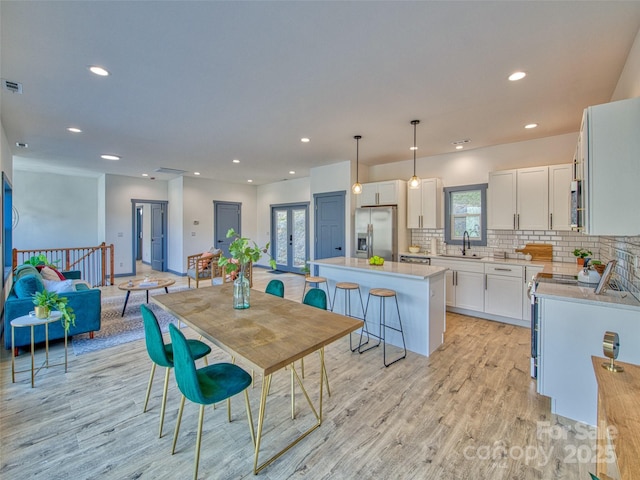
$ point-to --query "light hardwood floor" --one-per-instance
(470, 411)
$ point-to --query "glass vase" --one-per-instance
(241, 292)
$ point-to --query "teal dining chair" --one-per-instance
(205, 386)
(275, 287)
(162, 354)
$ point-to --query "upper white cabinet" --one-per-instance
(609, 168)
(560, 196)
(424, 204)
(381, 193)
(535, 198)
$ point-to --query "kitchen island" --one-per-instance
(572, 323)
(420, 291)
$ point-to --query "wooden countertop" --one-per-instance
(619, 395)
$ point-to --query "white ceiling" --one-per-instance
(197, 84)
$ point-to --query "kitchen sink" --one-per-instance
(462, 257)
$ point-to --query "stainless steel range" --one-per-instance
(535, 320)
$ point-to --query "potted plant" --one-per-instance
(581, 254)
(46, 301)
(598, 266)
(242, 251)
(41, 260)
(306, 269)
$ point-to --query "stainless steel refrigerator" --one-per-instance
(376, 232)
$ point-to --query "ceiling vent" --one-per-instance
(13, 87)
(170, 171)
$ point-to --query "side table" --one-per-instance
(32, 321)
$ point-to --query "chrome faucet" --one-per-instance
(466, 246)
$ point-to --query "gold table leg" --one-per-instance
(263, 406)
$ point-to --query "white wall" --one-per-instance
(175, 243)
(198, 196)
(469, 167)
(629, 81)
(66, 203)
(119, 220)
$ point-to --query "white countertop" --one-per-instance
(419, 271)
(584, 294)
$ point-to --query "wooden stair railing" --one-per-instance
(96, 264)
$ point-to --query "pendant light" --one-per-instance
(356, 188)
(414, 182)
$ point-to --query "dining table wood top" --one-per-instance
(272, 333)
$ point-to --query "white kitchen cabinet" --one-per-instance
(501, 200)
(381, 193)
(560, 177)
(464, 283)
(609, 168)
(503, 290)
(424, 204)
(518, 199)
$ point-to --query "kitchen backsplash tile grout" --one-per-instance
(623, 249)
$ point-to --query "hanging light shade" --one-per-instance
(414, 182)
(356, 188)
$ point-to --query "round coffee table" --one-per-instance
(31, 321)
(146, 285)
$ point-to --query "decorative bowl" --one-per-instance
(414, 249)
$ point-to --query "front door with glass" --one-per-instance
(289, 238)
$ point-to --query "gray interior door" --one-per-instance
(329, 225)
(158, 237)
(226, 216)
(139, 232)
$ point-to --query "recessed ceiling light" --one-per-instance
(110, 157)
(249, 181)
(196, 173)
(305, 140)
(74, 130)
(413, 148)
(291, 172)
(515, 76)
(95, 69)
(531, 125)
(235, 160)
(459, 147)
(145, 174)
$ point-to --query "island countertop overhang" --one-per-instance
(392, 269)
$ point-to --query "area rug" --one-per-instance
(116, 330)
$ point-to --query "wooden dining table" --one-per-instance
(273, 333)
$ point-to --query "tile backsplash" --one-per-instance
(623, 249)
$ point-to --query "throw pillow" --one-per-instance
(49, 273)
(204, 261)
(57, 286)
(27, 285)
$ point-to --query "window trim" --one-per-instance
(483, 213)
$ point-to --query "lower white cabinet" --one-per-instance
(503, 290)
(464, 283)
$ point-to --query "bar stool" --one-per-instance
(383, 294)
(317, 281)
(347, 288)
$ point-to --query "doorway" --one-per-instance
(290, 233)
(149, 234)
(329, 224)
(226, 215)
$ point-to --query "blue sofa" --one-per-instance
(85, 302)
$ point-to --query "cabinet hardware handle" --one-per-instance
(502, 269)
(514, 221)
(518, 221)
(485, 281)
(551, 221)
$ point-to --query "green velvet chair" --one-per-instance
(162, 354)
(205, 386)
(275, 287)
